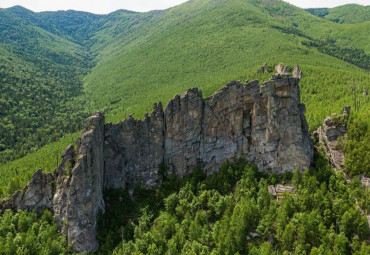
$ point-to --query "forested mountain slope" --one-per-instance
(44, 57)
(41, 86)
(124, 61)
(72, 25)
(206, 43)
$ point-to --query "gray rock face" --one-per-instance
(228, 124)
(280, 139)
(85, 196)
(331, 135)
(183, 135)
(74, 192)
(263, 123)
(62, 176)
(37, 195)
(134, 150)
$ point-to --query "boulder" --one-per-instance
(286, 69)
(282, 72)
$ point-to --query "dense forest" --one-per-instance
(41, 87)
(36, 110)
(228, 212)
(232, 212)
(357, 146)
(30, 233)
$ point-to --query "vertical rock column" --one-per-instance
(332, 131)
(183, 117)
(227, 124)
(133, 151)
(86, 187)
(280, 133)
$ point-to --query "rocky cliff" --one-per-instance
(332, 135)
(262, 123)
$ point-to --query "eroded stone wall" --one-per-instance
(262, 123)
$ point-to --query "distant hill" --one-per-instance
(72, 25)
(350, 13)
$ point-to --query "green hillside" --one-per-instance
(41, 86)
(207, 43)
(123, 62)
(349, 13)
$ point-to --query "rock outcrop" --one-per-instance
(262, 123)
(263, 69)
(85, 196)
(279, 68)
(74, 192)
(297, 73)
(332, 135)
(282, 70)
(37, 195)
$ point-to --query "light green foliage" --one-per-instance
(30, 233)
(49, 80)
(208, 57)
(357, 147)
